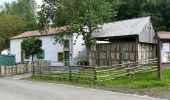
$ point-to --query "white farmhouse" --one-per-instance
(71, 50)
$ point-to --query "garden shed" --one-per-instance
(126, 41)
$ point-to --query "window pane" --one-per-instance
(60, 56)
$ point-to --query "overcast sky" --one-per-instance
(39, 2)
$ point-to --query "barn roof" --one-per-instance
(139, 26)
(50, 31)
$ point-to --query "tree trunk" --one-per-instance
(32, 61)
(33, 67)
(89, 56)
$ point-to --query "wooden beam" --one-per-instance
(137, 52)
(159, 60)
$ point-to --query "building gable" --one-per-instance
(141, 27)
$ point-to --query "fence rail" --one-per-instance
(95, 74)
(126, 69)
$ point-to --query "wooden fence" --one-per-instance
(96, 74)
(126, 69)
(15, 69)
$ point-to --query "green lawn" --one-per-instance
(141, 83)
(140, 80)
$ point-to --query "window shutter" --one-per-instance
(43, 54)
(23, 57)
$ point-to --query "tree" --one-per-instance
(31, 46)
(80, 16)
(26, 9)
(16, 17)
(159, 10)
(10, 25)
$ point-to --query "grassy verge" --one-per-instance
(141, 83)
(140, 80)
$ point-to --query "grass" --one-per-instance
(140, 83)
(140, 80)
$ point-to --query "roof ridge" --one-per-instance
(50, 31)
(128, 19)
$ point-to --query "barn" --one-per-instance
(124, 41)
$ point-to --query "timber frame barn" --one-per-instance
(124, 41)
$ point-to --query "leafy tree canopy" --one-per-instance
(26, 9)
(81, 16)
(10, 25)
(159, 10)
(16, 17)
(31, 45)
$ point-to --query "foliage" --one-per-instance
(80, 16)
(24, 9)
(31, 45)
(84, 16)
(10, 25)
(44, 16)
(159, 10)
(16, 17)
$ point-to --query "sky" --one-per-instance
(39, 2)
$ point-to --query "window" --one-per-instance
(40, 54)
(66, 44)
(60, 56)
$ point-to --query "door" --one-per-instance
(66, 57)
(66, 52)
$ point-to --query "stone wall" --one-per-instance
(14, 70)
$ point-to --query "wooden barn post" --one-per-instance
(159, 59)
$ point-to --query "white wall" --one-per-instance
(51, 48)
(77, 50)
(15, 48)
(48, 45)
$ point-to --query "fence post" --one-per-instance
(129, 70)
(16, 68)
(70, 73)
(26, 67)
(5, 71)
(12, 68)
(49, 70)
(95, 76)
(0, 70)
(33, 69)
